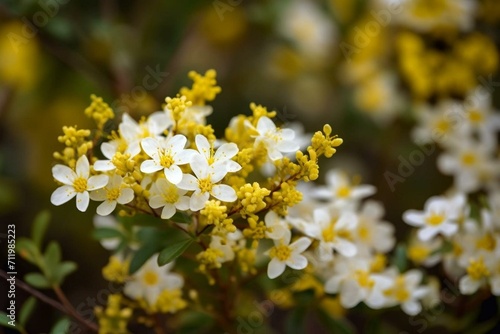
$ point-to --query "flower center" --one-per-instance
(80, 184)
(418, 253)
(364, 233)
(477, 269)
(468, 159)
(399, 291)
(443, 126)
(343, 191)
(150, 278)
(475, 116)
(363, 278)
(426, 9)
(113, 194)
(435, 219)
(166, 159)
(487, 243)
(205, 185)
(281, 252)
(171, 197)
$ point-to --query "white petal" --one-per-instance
(126, 196)
(150, 166)
(345, 247)
(351, 294)
(183, 203)
(411, 307)
(106, 207)
(157, 201)
(82, 201)
(188, 182)
(427, 233)
(98, 195)
(108, 150)
(226, 152)
(274, 154)
(158, 122)
(184, 157)
(168, 211)
(224, 193)
(300, 245)
(63, 174)
(62, 195)
(449, 229)
(333, 284)
(173, 174)
(82, 167)
(363, 191)
(265, 124)
(103, 165)
(275, 268)
(198, 201)
(468, 285)
(151, 146)
(203, 145)
(287, 146)
(414, 217)
(97, 182)
(232, 166)
(199, 165)
(297, 261)
(177, 143)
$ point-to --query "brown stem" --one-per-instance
(62, 297)
(58, 306)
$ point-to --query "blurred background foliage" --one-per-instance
(286, 55)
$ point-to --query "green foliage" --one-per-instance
(173, 251)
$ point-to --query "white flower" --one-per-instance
(405, 289)
(478, 273)
(278, 226)
(277, 141)
(340, 191)
(285, 254)
(334, 230)
(76, 183)
(471, 163)
(439, 216)
(355, 283)
(222, 157)
(373, 234)
(170, 197)
(134, 132)
(227, 245)
(166, 154)
(150, 280)
(205, 184)
(114, 192)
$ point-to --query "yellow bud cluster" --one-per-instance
(204, 88)
(324, 144)
(116, 270)
(76, 142)
(284, 198)
(251, 197)
(209, 259)
(170, 301)
(113, 319)
(308, 281)
(246, 259)
(215, 214)
(99, 111)
(256, 229)
(177, 105)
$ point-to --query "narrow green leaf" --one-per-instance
(106, 233)
(173, 251)
(37, 280)
(27, 310)
(4, 321)
(61, 326)
(29, 251)
(142, 255)
(400, 259)
(62, 270)
(40, 224)
(52, 256)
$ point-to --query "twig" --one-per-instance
(55, 304)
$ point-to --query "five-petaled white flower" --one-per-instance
(205, 183)
(285, 254)
(166, 154)
(405, 290)
(150, 280)
(167, 195)
(440, 215)
(222, 156)
(76, 183)
(277, 141)
(115, 192)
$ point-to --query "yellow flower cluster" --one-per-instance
(215, 214)
(99, 111)
(77, 144)
(204, 88)
(114, 318)
(169, 301)
(116, 270)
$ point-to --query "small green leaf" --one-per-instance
(62, 270)
(106, 233)
(27, 310)
(181, 217)
(4, 320)
(29, 251)
(52, 256)
(141, 256)
(37, 280)
(61, 326)
(173, 251)
(40, 224)
(400, 259)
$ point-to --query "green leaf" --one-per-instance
(106, 233)
(37, 280)
(52, 256)
(27, 310)
(29, 251)
(142, 255)
(4, 321)
(400, 259)
(40, 224)
(181, 217)
(62, 270)
(61, 327)
(173, 251)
